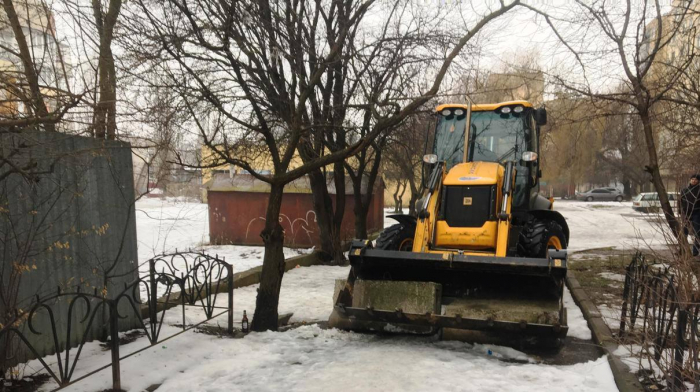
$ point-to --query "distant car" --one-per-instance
(649, 202)
(601, 194)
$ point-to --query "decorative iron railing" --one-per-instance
(655, 318)
(184, 278)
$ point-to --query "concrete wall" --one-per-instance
(71, 225)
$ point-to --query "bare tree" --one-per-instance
(632, 38)
(404, 154)
(251, 65)
(33, 80)
(620, 143)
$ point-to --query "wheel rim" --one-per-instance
(554, 243)
(406, 244)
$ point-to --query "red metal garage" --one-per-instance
(237, 206)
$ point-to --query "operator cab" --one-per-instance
(500, 133)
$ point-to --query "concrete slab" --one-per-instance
(411, 297)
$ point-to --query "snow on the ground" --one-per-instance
(578, 326)
(307, 292)
(164, 225)
(611, 315)
(311, 359)
(612, 224)
(613, 276)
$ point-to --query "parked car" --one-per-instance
(601, 194)
(649, 202)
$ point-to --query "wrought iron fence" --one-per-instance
(198, 276)
(664, 326)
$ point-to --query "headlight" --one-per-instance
(518, 109)
(529, 156)
(446, 112)
(505, 109)
(459, 112)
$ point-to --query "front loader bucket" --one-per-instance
(471, 298)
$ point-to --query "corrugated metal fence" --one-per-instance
(66, 221)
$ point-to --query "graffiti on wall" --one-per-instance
(292, 228)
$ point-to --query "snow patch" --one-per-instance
(578, 326)
(612, 276)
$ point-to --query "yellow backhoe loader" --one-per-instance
(485, 259)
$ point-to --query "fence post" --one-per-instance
(677, 383)
(114, 344)
(153, 301)
(229, 269)
(625, 294)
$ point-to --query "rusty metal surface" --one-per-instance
(239, 217)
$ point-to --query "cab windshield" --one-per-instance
(494, 137)
(449, 136)
(497, 137)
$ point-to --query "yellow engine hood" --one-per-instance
(474, 173)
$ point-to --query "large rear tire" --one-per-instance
(540, 235)
(396, 237)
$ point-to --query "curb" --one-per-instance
(602, 335)
(240, 279)
(252, 276)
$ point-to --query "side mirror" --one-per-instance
(541, 116)
(428, 161)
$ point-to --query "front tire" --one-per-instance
(589, 198)
(538, 236)
(396, 237)
(619, 198)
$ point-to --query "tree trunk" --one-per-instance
(361, 208)
(339, 178)
(266, 317)
(415, 195)
(627, 186)
(105, 116)
(37, 100)
(363, 202)
(403, 192)
(653, 169)
(325, 218)
(397, 203)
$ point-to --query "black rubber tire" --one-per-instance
(535, 236)
(393, 236)
(589, 198)
(619, 198)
